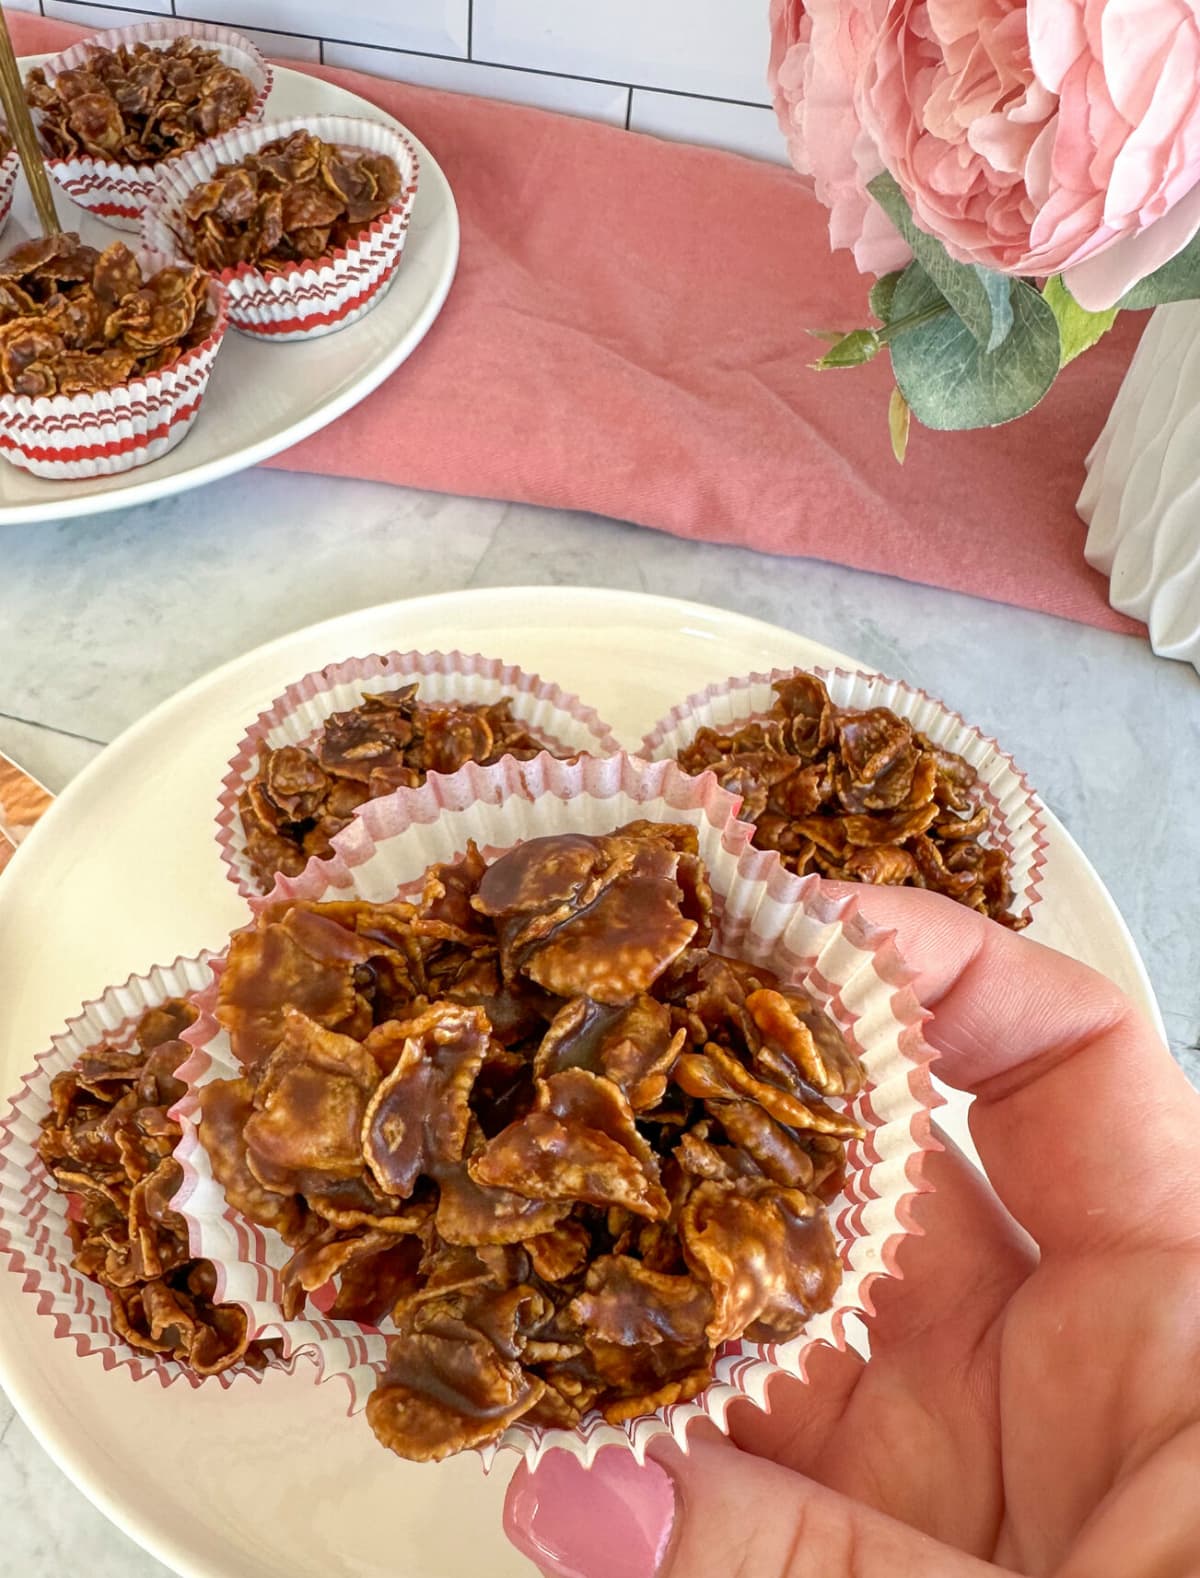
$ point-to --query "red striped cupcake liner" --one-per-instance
(10, 167)
(764, 914)
(300, 300)
(557, 716)
(119, 193)
(1018, 825)
(34, 1239)
(66, 437)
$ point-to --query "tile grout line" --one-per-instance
(50, 728)
(561, 76)
(471, 580)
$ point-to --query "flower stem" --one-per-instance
(912, 321)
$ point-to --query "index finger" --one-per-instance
(1087, 1128)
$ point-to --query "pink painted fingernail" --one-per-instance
(612, 1520)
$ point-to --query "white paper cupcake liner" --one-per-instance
(1017, 824)
(766, 915)
(297, 716)
(119, 193)
(34, 1240)
(10, 167)
(65, 437)
(300, 300)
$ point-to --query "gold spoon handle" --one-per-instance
(21, 129)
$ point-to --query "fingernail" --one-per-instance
(612, 1520)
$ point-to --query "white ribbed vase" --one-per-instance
(1141, 499)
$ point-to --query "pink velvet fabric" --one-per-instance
(626, 335)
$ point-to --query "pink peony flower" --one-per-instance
(818, 52)
(1061, 135)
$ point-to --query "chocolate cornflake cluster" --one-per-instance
(861, 796)
(139, 103)
(6, 144)
(74, 320)
(534, 1128)
(301, 797)
(107, 1142)
(293, 199)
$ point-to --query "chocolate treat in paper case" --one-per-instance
(302, 796)
(6, 143)
(74, 320)
(138, 103)
(290, 201)
(861, 796)
(533, 1127)
(107, 1144)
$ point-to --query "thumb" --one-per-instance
(713, 1512)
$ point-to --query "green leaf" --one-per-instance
(999, 290)
(898, 424)
(981, 297)
(949, 379)
(1078, 329)
(852, 350)
(881, 295)
(1177, 280)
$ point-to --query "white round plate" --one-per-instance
(123, 872)
(262, 398)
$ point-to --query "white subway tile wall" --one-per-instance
(438, 26)
(690, 46)
(601, 101)
(283, 45)
(692, 70)
(741, 128)
(100, 16)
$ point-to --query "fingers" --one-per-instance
(802, 1420)
(1080, 1108)
(614, 1520)
(1001, 1001)
(959, 1268)
(709, 1513)
(930, 1361)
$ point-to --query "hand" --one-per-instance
(1032, 1404)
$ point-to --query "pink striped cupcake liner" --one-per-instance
(119, 193)
(66, 437)
(34, 1240)
(557, 716)
(1018, 825)
(301, 300)
(764, 914)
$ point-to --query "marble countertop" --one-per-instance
(100, 619)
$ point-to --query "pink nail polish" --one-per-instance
(612, 1520)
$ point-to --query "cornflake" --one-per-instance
(106, 1143)
(74, 320)
(139, 103)
(290, 201)
(861, 796)
(301, 797)
(531, 1126)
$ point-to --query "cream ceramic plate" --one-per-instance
(273, 1481)
(263, 398)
